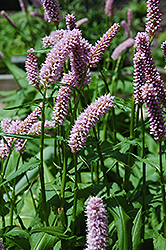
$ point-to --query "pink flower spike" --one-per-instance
(122, 47)
(87, 120)
(52, 10)
(129, 17)
(153, 17)
(109, 8)
(97, 236)
(101, 45)
(126, 27)
(32, 69)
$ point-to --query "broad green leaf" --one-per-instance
(33, 163)
(19, 237)
(18, 74)
(123, 225)
(42, 241)
(159, 242)
(136, 231)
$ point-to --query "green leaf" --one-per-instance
(33, 163)
(159, 241)
(122, 104)
(19, 237)
(18, 74)
(42, 241)
(136, 231)
(25, 105)
(123, 224)
(147, 161)
(55, 231)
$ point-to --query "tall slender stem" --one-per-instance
(127, 168)
(12, 204)
(143, 170)
(102, 163)
(63, 176)
(75, 196)
(41, 167)
(162, 187)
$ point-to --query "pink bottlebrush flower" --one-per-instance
(52, 10)
(70, 21)
(62, 101)
(142, 43)
(109, 8)
(87, 120)
(3, 13)
(9, 127)
(163, 46)
(129, 17)
(53, 38)
(126, 27)
(23, 5)
(101, 45)
(52, 68)
(153, 17)
(139, 78)
(80, 56)
(81, 21)
(122, 47)
(37, 4)
(155, 112)
(97, 225)
(19, 128)
(32, 69)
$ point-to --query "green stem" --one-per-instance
(143, 170)
(12, 204)
(127, 168)
(162, 188)
(41, 167)
(75, 196)
(106, 182)
(63, 176)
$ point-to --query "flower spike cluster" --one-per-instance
(138, 76)
(97, 236)
(52, 68)
(26, 127)
(101, 45)
(52, 10)
(62, 101)
(155, 113)
(87, 120)
(153, 18)
(32, 69)
(142, 43)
